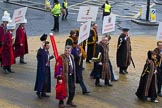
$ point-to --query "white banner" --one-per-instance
(87, 13)
(84, 32)
(159, 32)
(108, 24)
(19, 15)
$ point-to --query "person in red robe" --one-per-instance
(7, 52)
(65, 75)
(21, 44)
(5, 19)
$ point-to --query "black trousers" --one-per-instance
(123, 69)
(105, 14)
(56, 23)
(71, 85)
(8, 68)
(64, 16)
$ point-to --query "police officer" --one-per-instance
(106, 9)
(65, 7)
(56, 11)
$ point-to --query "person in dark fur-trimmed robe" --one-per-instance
(65, 74)
(123, 56)
(158, 52)
(147, 88)
(21, 44)
(103, 70)
(43, 78)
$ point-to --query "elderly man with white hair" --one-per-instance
(21, 44)
(102, 62)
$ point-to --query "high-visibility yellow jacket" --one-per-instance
(56, 10)
(107, 8)
(65, 5)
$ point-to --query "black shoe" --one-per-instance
(125, 71)
(22, 62)
(5, 72)
(45, 95)
(56, 30)
(98, 85)
(52, 30)
(114, 80)
(122, 73)
(110, 84)
(85, 93)
(38, 94)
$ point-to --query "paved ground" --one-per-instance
(16, 90)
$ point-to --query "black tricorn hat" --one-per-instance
(125, 29)
(43, 37)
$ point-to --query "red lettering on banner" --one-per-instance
(108, 29)
(18, 17)
(17, 20)
(109, 25)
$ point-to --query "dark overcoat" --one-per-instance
(123, 56)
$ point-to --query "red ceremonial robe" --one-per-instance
(2, 32)
(60, 69)
(21, 38)
(7, 52)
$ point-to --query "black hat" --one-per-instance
(56, 1)
(43, 37)
(125, 29)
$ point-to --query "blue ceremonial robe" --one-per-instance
(43, 78)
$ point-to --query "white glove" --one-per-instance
(60, 81)
(100, 63)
